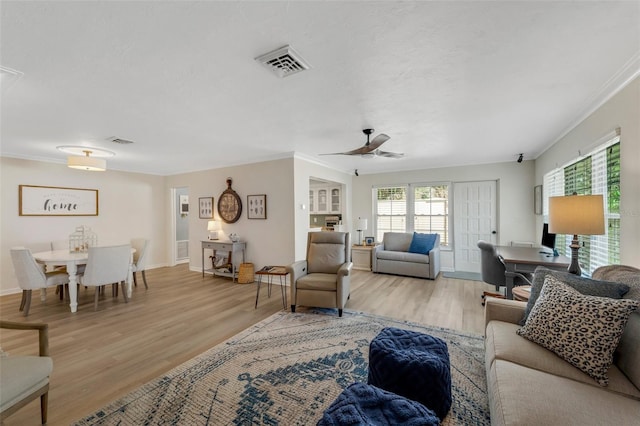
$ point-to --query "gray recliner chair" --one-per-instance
(323, 279)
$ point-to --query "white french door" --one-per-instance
(474, 218)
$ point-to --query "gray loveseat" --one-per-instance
(393, 257)
(530, 385)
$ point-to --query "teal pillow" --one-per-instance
(422, 243)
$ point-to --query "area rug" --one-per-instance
(462, 275)
(286, 370)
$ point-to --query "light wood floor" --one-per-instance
(100, 356)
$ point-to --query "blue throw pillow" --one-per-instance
(422, 243)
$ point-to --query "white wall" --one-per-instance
(622, 110)
(303, 170)
(131, 205)
(269, 241)
(516, 219)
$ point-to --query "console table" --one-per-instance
(233, 248)
(361, 257)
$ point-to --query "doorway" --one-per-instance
(475, 218)
(180, 212)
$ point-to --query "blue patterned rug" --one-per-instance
(286, 370)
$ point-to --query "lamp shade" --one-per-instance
(87, 163)
(576, 215)
(213, 225)
(361, 224)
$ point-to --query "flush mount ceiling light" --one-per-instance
(86, 158)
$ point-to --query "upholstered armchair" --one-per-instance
(323, 278)
(25, 378)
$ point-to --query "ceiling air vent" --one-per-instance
(120, 141)
(284, 61)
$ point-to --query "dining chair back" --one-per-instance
(141, 245)
(32, 276)
(107, 265)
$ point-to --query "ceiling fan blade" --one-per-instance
(358, 151)
(390, 154)
(377, 141)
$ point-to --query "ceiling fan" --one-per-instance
(371, 148)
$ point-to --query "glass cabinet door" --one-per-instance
(322, 201)
(335, 200)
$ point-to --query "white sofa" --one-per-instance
(393, 257)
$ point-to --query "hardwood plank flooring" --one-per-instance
(102, 355)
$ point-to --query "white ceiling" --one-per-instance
(452, 83)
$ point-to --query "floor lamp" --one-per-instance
(361, 225)
(576, 215)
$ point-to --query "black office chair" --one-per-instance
(493, 270)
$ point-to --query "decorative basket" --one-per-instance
(245, 273)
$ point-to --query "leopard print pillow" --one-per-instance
(582, 330)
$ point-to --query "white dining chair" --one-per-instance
(31, 275)
(140, 259)
(107, 265)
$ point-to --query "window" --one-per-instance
(595, 173)
(412, 207)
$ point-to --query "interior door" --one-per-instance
(474, 213)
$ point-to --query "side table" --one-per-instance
(361, 257)
(269, 273)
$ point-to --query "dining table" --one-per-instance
(71, 260)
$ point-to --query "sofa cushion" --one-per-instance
(523, 396)
(502, 343)
(397, 241)
(583, 285)
(422, 243)
(583, 330)
(21, 376)
(402, 256)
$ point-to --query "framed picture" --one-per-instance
(257, 206)
(205, 207)
(56, 201)
(537, 199)
(368, 241)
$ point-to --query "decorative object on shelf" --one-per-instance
(361, 225)
(537, 199)
(257, 206)
(234, 238)
(213, 226)
(576, 215)
(82, 239)
(205, 207)
(184, 205)
(369, 241)
(56, 201)
(229, 204)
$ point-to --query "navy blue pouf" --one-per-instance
(414, 365)
(362, 404)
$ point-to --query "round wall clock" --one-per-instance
(229, 205)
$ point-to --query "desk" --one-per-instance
(226, 246)
(519, 260)
(275, 271)
(71, 261)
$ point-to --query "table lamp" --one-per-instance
(213, 226)
(576, 215)
(361, 225)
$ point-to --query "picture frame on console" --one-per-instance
(369, 241)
